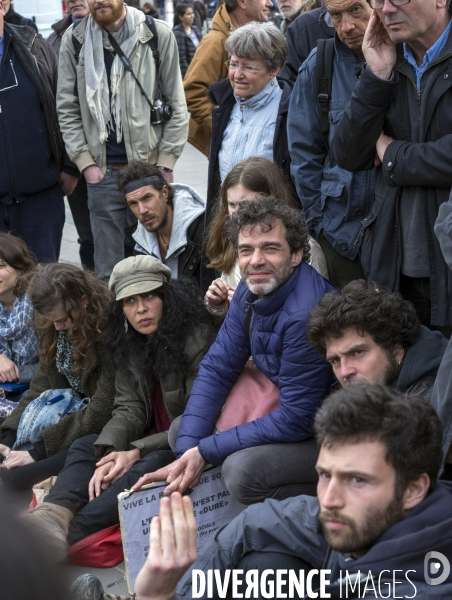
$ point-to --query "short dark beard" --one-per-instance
(104, 20)
(358, 541)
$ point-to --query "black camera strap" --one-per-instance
(128, 65)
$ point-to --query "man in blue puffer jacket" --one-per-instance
(273, 456)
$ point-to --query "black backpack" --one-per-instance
(324, 82)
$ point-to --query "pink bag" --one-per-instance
(252, 396)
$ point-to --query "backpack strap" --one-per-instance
(154, 41)
(77, 45)
(324, 83)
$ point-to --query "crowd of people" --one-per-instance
(317, 269)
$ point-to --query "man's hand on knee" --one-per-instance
(172, 549)
(182, 473)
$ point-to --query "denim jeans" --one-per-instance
(277, 471)
(109, 216)
(71, 488)
(78, 201)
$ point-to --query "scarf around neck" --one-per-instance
(101, 108)
(64, 352)
(16, 327)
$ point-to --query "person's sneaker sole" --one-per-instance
(87, 587)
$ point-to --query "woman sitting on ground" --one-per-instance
(158, 333)
(18, 344)
(250, 114)
(70, 306)
(248, 180)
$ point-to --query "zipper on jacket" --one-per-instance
(241, 110)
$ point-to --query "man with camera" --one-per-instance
(120, 98)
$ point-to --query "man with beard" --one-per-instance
(399, 119)
(272, 456)
(170, 221)
(380, 508)
(371, 335)
(105, 113)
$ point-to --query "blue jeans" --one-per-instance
(109, 216)
(39, 221)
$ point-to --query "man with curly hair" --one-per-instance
(371, 335)
(272, 456)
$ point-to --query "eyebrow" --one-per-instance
(353, 472)
(349, 351)
(262, 245)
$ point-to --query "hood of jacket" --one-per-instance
(222, 21)
(422, 358)
(188, 205)
(404, 546)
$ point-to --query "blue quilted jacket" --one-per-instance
(279, 347)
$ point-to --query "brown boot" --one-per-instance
(51, 523)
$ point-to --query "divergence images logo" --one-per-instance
(432, 567)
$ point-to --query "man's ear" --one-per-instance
(297, 257)
(84, 301)
(241, 3)
(416, 492)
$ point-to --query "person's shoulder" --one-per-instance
(307, 19)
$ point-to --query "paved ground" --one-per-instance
(191, 169)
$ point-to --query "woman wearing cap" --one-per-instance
(158, 333)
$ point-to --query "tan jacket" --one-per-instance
(206, 67)
(156, 144)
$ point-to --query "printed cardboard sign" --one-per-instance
(213, 506)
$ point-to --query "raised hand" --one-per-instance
(378, 49)
(172, 549)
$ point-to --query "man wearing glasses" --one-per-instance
(400, 119)
(34, 172)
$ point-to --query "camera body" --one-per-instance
(160, 111)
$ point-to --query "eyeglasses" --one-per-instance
(378, 4)
(15, 78)
(232, 65)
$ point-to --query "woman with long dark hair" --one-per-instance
(186, 33)
(158, 333)
(70, 318)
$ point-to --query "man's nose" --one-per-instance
(258, 257)
(60, 326)
(388, 8)
(346, 368)
(332, 498)
(347, 24)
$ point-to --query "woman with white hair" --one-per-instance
(250, 114)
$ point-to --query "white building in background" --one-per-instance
(44, 12)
